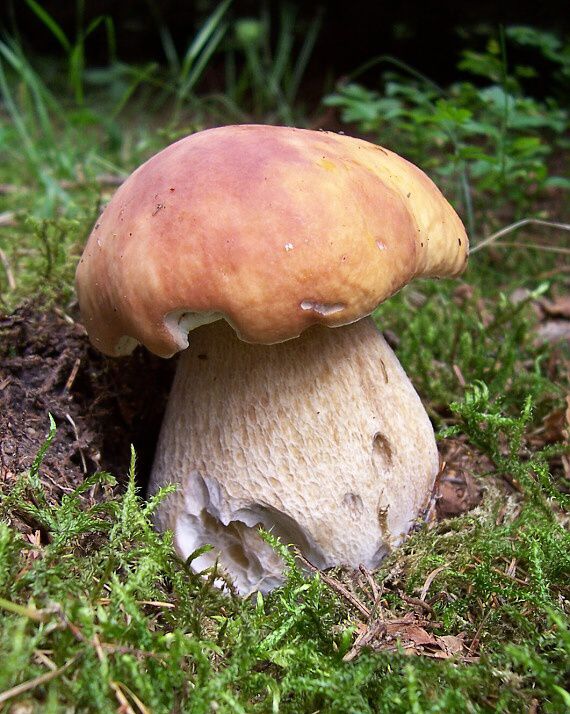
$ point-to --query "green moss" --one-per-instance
(115, 613)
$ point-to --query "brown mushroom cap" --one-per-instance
(273, 228)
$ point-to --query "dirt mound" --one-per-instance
(100, 405)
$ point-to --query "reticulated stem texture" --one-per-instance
(322, 440)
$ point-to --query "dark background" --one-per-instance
(426, 34)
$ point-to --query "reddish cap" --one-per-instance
(272, 228)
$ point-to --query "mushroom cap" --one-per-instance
(272, 228)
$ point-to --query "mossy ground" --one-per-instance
(97, 614)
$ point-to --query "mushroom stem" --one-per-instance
(321, 439)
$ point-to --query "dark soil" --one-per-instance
(100, 405)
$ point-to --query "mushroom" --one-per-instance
(258, 239)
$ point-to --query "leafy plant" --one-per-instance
(487, 144)
(74, 48)
(502, 437)
(267, 74)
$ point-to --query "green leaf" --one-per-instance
(557, 182)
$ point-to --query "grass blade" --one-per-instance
(515, 226)
(50, 23)
(304, 56)
(203, 60)
(284, 45)
(204, 37)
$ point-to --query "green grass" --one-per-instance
(99, 613)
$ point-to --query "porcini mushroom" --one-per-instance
(259, 239)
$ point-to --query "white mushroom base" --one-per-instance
(322, 440)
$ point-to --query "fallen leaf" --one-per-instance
(554, 428)
(410, 634)
(560, 307)
(463, 294)
(457, 492)
(554, 331)
(452, 643)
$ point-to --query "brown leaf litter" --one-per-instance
(409, 635)
(553, 316)
(457, 490)
(380, 630)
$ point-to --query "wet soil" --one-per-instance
(100, 405)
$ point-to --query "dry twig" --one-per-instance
(36, 682)
(8, 270)
(339, 588)
(515, 226)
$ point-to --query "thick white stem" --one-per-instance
(322, 439)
